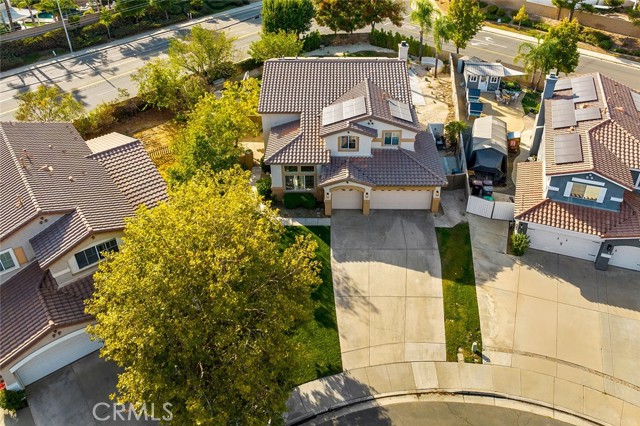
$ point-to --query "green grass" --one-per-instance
(319, 338)
(461, 317)
(531, 100)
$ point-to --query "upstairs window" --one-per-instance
(93, 254)
(8, 261)
(583, 191)
(348, 143)
(391, 138)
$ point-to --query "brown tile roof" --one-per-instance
(610, 144)
(307, 85)
(131, 168)
(390, 167)
(60, 237)
(32, 306)
(45, 165)
(529, 185)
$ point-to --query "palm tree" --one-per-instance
(529, 54)
(7, 7)
(28, 4)
(422, 15)
(442, 30)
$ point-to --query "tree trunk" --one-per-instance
(457, 50)
(166, 14)
(7, 7)
(519, 23)
(571, 13)
(539, 79)
(33, 21)
(558, 15)
(435, 72)
(420, 50)
(109, 32)
(533, 78)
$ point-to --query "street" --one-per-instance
(96, 76)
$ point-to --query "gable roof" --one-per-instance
(390, 167)
(489, 133)
(47, 169)
(306, 85)
(32, 306)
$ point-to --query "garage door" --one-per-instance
(401, 200)
(556, 242)
(54, 356)
(626, 257)
(346, 199)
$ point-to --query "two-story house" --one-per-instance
(581, 197)
(346, 131)
(63, 204)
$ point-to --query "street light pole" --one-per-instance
(64, 26)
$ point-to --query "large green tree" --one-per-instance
(203, 52)
(134, 8)
(352, 15)
(288, 15)
(570, 5)
(376, 11)
(443, 28)
(422, 15)
(51, 6)
(467, 19)
(536, 58)
(48, 103)
(214, 128)
(563, 44)
(275, 45)
(199, 305)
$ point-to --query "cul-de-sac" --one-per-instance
(320, 212)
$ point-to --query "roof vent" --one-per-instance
(46, 168)
(619, 108)
(50, 146)
(19, 202)
(27, 154)
(71, 179)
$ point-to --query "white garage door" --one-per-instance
(556, 242)
(346, 199)
(54, 356)
(401, 200)
(626, 257)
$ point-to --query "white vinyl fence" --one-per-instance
(500, 210)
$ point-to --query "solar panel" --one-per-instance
(563, 114)
(343, 110)
(562, 84)
(568, 148)
(584, 89)
(636, 100)
(400, 110)
(584, 114)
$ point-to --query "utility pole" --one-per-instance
(64, 26)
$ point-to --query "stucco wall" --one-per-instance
(407, 137)
(270, 120)
(364, 145)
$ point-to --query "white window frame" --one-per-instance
(392, 132)
(602, 192)
(494, 79)
(348, 138)
(100, 257)
(637, 185)
(299, 176)
(16, 264)
(473, 78)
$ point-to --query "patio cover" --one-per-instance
(16, 14)
(488, 161)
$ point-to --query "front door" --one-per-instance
(484, 83)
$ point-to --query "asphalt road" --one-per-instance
(95, 77)
(435, 414)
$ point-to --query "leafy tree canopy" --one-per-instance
(199, 304)
(352, 15)
(275, 45)
(467, 19)
(292, 16)
(563, 41)
(48, 103)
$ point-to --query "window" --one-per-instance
(587, 192)
(391, 138)
(494, 79)
(348, 143)
(299, 178)
(637, 186)
(473, 78)
(8, 261)
(94, 254)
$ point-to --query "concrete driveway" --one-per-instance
(558, 316)
(388, 287)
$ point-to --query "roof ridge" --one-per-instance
(16, 162)
(410, 155)
(96, 155)
(536, 205)
(83, 219)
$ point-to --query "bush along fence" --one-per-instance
(388, 39)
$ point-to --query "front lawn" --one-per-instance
(319, 338)
(461, 317)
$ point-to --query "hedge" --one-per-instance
(291, 201)
(388, 39)
(12, 400)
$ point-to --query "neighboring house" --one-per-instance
(63, 203)
(345, 131)
(485, 76)
(582, 197)
(487, 151)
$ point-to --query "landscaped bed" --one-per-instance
(319, 338)
(461, 317)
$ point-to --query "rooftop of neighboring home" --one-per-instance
(592, 124)
(91, 186)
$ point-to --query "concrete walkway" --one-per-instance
(387, 286)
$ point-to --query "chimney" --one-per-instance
(403, 50)
(549, 86)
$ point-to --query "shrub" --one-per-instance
(501, 12)
(12, 400)
(490, 17)
(265, 167)
(539, 25)
(312, 41)
(482, 4)
(263, 185)
(510, 85)
(596, 38)
(493, 9)
(520, 243)
(505, 19)
(390, 40)
(291, 201)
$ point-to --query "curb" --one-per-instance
(135, 37)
